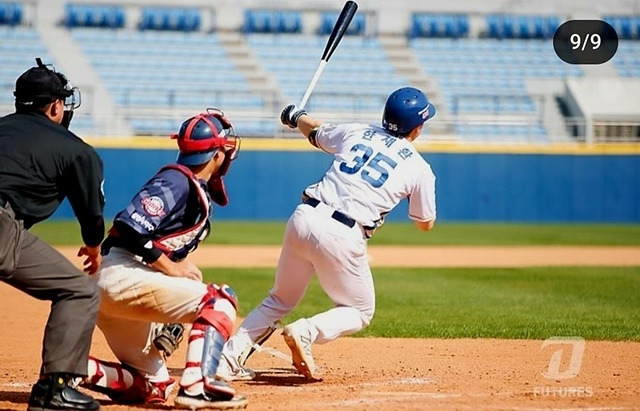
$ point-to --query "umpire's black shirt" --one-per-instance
(41, 163)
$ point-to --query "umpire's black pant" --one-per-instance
(45, 274)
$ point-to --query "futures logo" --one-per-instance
(554, 371)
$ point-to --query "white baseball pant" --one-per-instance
(134, 298)
(315, 242)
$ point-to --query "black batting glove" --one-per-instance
(290, 115)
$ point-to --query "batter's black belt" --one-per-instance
(337, 215)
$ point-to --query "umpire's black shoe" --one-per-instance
(53, 393)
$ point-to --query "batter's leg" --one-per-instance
(293, 274)
(352, 291)
(342, 266)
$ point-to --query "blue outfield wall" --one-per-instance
(501, 187)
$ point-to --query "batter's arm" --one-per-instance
(306, 124)
(294, 117)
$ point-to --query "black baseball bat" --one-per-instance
(339, 28)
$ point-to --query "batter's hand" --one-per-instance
(290, 115)
(93, 260)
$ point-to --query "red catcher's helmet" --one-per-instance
(201, 136)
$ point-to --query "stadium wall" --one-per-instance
(487, 186)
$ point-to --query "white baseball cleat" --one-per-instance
(229, 370)
(204, 401)
(210, 394)
(299, 341)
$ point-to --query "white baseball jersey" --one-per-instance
(371, 173)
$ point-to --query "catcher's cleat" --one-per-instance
(228, 371)
(206, 400)
(53, 393)
(299, 341)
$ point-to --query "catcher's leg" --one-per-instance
(138, 377)
(198, 386)
(124, 385)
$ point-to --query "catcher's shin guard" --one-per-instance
(203, 356)
(211, 352)
(209, 332)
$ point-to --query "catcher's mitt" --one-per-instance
(169, 338)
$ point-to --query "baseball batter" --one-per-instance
(374, 168)
(146, 280)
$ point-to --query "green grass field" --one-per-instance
(533, 303)
(224, 232)
(596, 303)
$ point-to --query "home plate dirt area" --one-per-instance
(382, 373)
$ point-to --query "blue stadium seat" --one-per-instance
(519, 26)
(170, 19)
(553, 22)
(439, 25)
(540, 29)
(10, 14)
(86, 15)
(508, 25)
(328, 20)
(261, 21)
(524, 27)
(290, 22)
(494, 26)
(627, 27)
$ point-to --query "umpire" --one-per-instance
(41, 163)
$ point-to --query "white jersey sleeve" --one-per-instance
(330, 137)
(422, 199)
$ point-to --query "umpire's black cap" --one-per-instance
(40, 85)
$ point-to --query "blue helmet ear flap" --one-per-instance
(406, 109)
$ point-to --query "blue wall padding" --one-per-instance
(266, 185)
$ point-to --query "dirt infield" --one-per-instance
(391, 374)
(432, 256)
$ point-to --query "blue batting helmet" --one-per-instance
(406, 109)
(201, 136)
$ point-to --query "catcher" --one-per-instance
(146, 279)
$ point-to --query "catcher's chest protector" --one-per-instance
(177, 245)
